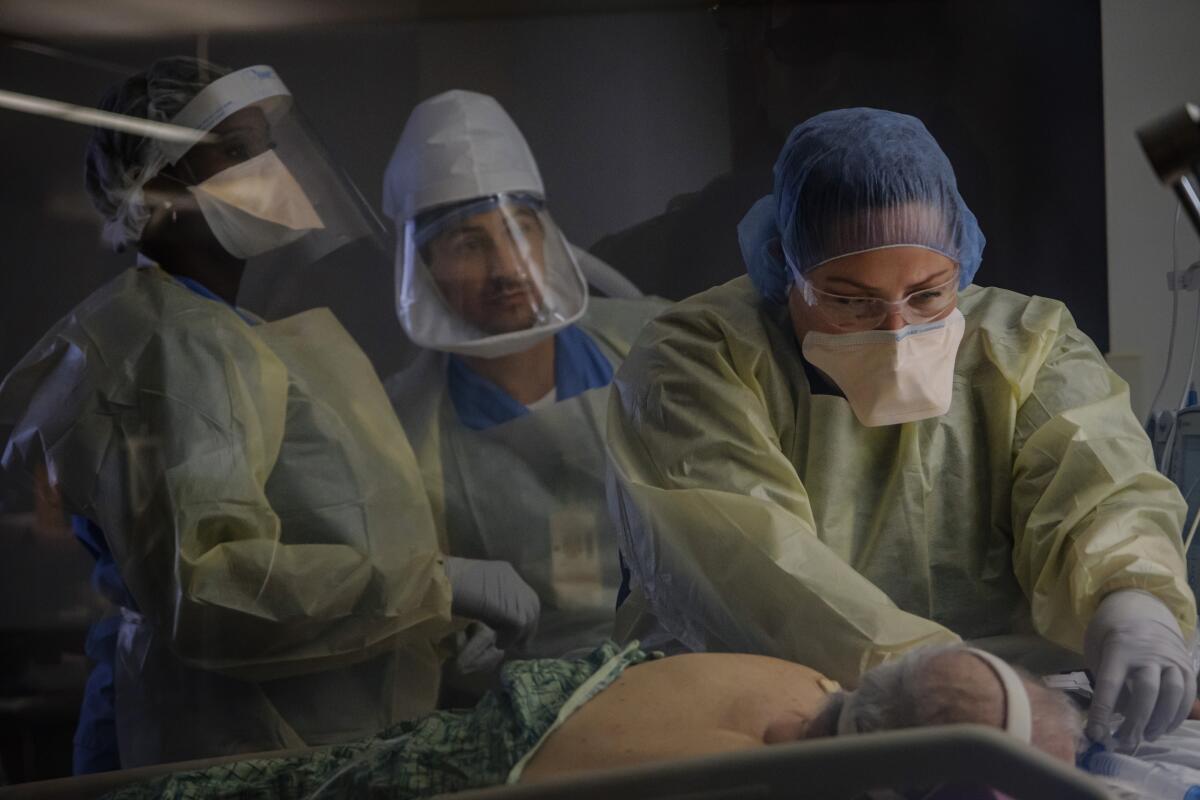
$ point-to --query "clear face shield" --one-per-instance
(261, 178)
(486, 277)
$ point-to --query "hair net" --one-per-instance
(118, 163)
(854, 180)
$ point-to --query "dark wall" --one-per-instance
(1010, 88)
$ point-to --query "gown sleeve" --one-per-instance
(716, 524)
(169, 440)
(1091, 513)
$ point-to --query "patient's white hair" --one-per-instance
(947, 685)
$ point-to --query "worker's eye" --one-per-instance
(853, 302)
(468, 244)
(243, 148)
(929, 298)
(524, 224)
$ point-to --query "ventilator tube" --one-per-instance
(1156, 780)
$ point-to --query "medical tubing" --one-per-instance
(1187, 542)
(1170, 351)
(1196, 650)
(1174, 313)
(1187, 382)
(1155, 779)
(1191, 534)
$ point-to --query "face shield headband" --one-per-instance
(435, 222)
(289, 203)
(227, 95)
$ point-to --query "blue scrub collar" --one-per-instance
(209, 294)
(579, 365)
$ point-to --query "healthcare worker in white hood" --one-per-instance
(256, 511)
(853, 451)
(505, 406)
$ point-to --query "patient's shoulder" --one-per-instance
(709, 662)
(722, 672)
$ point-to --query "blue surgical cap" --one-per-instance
(854, 180)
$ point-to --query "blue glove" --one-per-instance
(1142, 668)
(493, 593)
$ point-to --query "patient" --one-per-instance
(704, 703)
(621, 707)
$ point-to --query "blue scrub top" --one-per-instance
(578, 366)
(95, 743)
(204, 291)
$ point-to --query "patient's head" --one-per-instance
(944, 686)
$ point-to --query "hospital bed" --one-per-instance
(825, 769)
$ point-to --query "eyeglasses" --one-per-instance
(866, 313)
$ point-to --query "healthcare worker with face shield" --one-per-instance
(506, 404)
(255, 508)
(854, 451)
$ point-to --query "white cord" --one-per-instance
(1174, 312)
(1187, 382)
(1169, 447)
(1187, 498)
(1187, 543)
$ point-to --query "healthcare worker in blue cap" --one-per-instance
(506, 403)
(854, 451)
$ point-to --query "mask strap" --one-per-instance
(799, 281)
(1018, 713)
(180, 181)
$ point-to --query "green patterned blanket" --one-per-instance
(446, 751)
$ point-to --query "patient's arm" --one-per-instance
(689, 705)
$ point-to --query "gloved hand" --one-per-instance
(1141, 665)
(477, 652)
(493, 593)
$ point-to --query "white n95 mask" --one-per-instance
(255, 206)
(890, 377)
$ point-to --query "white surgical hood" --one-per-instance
(456, 148)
